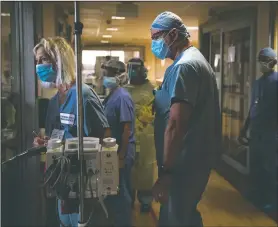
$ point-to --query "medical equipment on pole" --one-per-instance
(101, 170)
(81, 168)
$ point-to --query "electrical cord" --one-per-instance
(65, 162)
(60, 180)
(59, 165)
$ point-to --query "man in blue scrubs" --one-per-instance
(187, 123)
(119, 110)
(262, 124)
(55, 68)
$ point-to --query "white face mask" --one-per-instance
(48, 84)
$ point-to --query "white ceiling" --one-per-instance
(94, 16)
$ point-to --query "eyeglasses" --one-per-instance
(263, 58)
(158, 35)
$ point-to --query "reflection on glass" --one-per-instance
(276, 35)
(9, 101)
(215, 58)
(236, 81)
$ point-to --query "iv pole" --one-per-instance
(78, 26)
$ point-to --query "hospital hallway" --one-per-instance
(221, 205)
(227, 36)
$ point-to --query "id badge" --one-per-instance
(67, 119)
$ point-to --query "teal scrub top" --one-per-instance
(190, 79)
(64, 117)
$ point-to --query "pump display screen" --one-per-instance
(85, 145)
(73, 146)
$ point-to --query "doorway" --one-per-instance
(235, 95)
(229, 46)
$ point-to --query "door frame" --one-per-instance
(23, 68)
(237, 21)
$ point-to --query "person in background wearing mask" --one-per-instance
(119, 110)
(262, 125)
(55, 69)
(141, 89)
(186, 126)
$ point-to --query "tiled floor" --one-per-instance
(222, 205)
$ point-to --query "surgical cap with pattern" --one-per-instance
(268, 52)
(167, 21)
(120, 73)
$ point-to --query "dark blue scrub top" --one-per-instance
(263, 110)
(119, 108)
(94, 118)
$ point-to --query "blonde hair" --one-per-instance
(62, 54)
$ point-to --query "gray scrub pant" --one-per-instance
(263, 160)
(185, 193)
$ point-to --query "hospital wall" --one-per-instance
(48, 31)
(263, 10)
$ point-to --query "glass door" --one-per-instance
(215, 58)
(235, 94)
(10, 102)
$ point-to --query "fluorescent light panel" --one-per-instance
(107, 36)
(192, 28)
(117, 18)
(5, 14)
(104, 41)
(112, 29)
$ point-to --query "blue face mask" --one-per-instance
(109, 82)
(46, 73)
(160, 49)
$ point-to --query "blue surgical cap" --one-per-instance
(268, 52)
(167, 21)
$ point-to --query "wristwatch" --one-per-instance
(164, 171)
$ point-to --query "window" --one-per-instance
(215, 57)
(92, 59)
(9, 99)
(276, 34)
(236, 88)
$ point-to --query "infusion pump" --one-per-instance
(101, 173)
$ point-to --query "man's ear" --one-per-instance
(174, 34)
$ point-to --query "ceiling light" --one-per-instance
(112, 29)
(117, 18)
(5, 14)
(107, 36)
(104, 41)
(192, 28)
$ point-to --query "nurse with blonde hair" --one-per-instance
(55, 68)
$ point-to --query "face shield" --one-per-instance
(137, 73)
